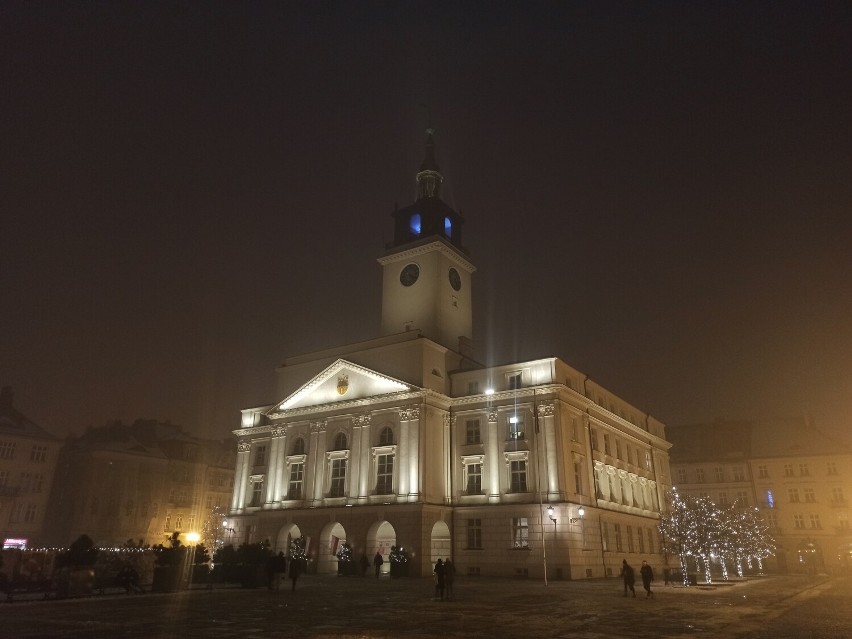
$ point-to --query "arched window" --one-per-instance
(386, 437)
(299, 447)
(448, 227)
(340, 442)
(414, 223)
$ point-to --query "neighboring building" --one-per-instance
(27, 461)
(142, 482)
(799, 477)
(405, 440)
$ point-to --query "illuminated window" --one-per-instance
(384, 475)
(516, 427)
(414, 223)
(338, 478)
(297, 473)
(520, 533)
(809, 495)
(472, 432)
(474, 534)
(448, 227)
(794, 495)
(179, 522)
(473, 481)
(518, 476)
(763, 472)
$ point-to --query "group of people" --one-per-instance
(445, 575)
(276, 568)
(630, 578)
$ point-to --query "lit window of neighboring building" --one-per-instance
(815, 522)
(837, 495)
(723, 499)
(798, 521)
(788, 470)
(763, 472)
(831, 468)
(516, 427)
(720, 473)
(7, 450)
(414, 223)
(803, 470)
(699, 475)
(520, 533)
(770, 499)
(809, 495)
(794, 494)
(742, 499)
(739, 473)
(681, 475)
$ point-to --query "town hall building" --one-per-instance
(523, 469)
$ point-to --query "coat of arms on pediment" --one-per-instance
(342, 381)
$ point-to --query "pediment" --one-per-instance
(342, 381)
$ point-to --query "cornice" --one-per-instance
(431, 247)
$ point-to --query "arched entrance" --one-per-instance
(380, 537)
(441, 546)
(285, 536)
(332, 537)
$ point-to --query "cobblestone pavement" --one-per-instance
(325, 607)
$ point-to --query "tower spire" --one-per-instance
(429, 177)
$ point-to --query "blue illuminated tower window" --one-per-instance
(448, 227)
(415, 223)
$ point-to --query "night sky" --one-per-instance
(658, 193)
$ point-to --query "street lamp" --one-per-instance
(228, 529)
(580, 514)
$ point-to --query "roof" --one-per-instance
(14, 422)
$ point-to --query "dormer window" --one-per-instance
(415, 224)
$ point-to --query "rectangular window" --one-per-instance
(723, 499)
(742, 499)
(605, 536)
(514, 381)
(520, 533)
(260, 456)
(297, 478)
(843, 522)
(641, 537)
(831, 468)
(794, 495)
(474, 533)
(594, 432)
(4, 478)
(179, 522)
(629, 532)
(518, 471)
(799, 521)
(30, 514)
(720, 473)
(788, 470)
(7, 450)
(575, 431)
(384, 475)
(803, 470)
(763, 472)
(606, 445)
(647, 460)
(473, 434)
(837, 495)
(681, 475)
(38, 453)
(516, 427)
(739, 473)
(815, 523)
(618, 547)
(338, 478)
(256, 494)
(651, 540)
(474, 479)
(578, 475)
(699, 475)
(473, 388)
(809, 495)
(617, 449)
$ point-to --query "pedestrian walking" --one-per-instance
(377, 563)
(629, 577)
(439, 579)
(647, 577)
(449, 577)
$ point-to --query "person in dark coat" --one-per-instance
(647, 577)
(629, 577)
(377, 563)
(365, 563)
(439, 579)
(449, 577)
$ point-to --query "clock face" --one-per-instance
(409, 274)
(455, 279)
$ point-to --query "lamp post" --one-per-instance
(228, 529)
(581, 513)
(552, 514)
(192, 538)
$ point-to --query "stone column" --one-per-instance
(241, 474)
(546, 412)
(318, 471)
(493, 456)
(411, 450)
(274, 491)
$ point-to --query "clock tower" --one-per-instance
(426, 270)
